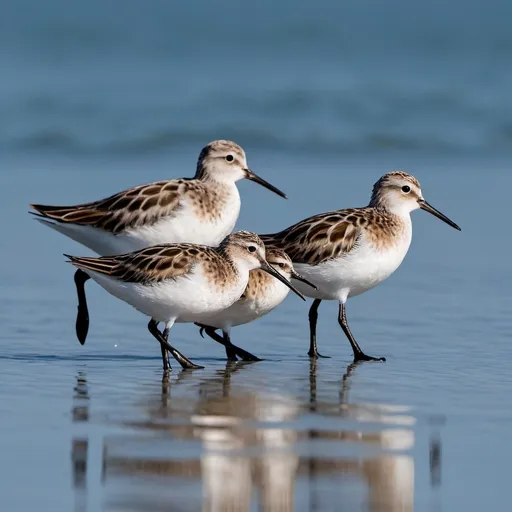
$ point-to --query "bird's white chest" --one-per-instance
(186, 299)
(249, 309)
(362, 269)
(369, 266)
(188, 226)
(201, 299)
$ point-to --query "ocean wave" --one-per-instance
(296, 133)
(168, 140)
(79, 79)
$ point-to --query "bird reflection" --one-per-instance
(435, 461)
(80, 411)
(231, 474)
(389, 477)
(80, 446)
(253, 453)
(79, 449)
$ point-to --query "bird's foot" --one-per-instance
(361, 356)
(185, 362)
(314, 354)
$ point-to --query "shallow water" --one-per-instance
(325, 98)
(94, 427)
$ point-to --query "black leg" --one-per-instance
(82, 316)
(237, 351)
(165, 353)
(230, 351)
(230, 348)
(359, 355)
(313, 318)
(211, 331)
(184, 361)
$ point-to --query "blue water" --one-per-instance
(328, 76)
(325, 98)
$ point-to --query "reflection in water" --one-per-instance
(435, 461)
(79, 449)
(219, 446)
(389, 478)
(80, 446)
(81, 399)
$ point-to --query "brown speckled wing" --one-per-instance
(150, 265)
(131, 208)
(320, 238)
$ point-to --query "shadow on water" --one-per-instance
(226, 447)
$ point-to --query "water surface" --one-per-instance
(325, 97)
(95, 427)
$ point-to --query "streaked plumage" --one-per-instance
(202, 210)
(347, 252)
(180, 282)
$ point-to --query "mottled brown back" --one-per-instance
(158, 263)
(331, 235)
(139, 206)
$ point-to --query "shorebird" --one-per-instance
(201, 210)
(348, 252)
(262, 295)
(181, 282)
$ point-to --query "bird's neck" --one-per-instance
(399, 210)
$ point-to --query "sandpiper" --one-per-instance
(201, 210)
(262, 295)
(347, 252)
(181, 282)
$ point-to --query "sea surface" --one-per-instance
(325, 98)
(129, 76)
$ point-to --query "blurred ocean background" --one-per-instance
(325, 97)
(322, 77)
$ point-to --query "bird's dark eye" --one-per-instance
(251, 248)
(406, 189)
(281, 265)
(230, 158)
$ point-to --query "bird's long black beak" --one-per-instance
(274, 273)
(298, 277)
(436, 213)
(254, 177)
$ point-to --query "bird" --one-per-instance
(201, 210)
(262, 295)
(350, 251)
(181, 282)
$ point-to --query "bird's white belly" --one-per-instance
(183, 229)
(187, 299)
(361, 270)
(247, 310)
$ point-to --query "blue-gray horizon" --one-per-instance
(325, 78)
